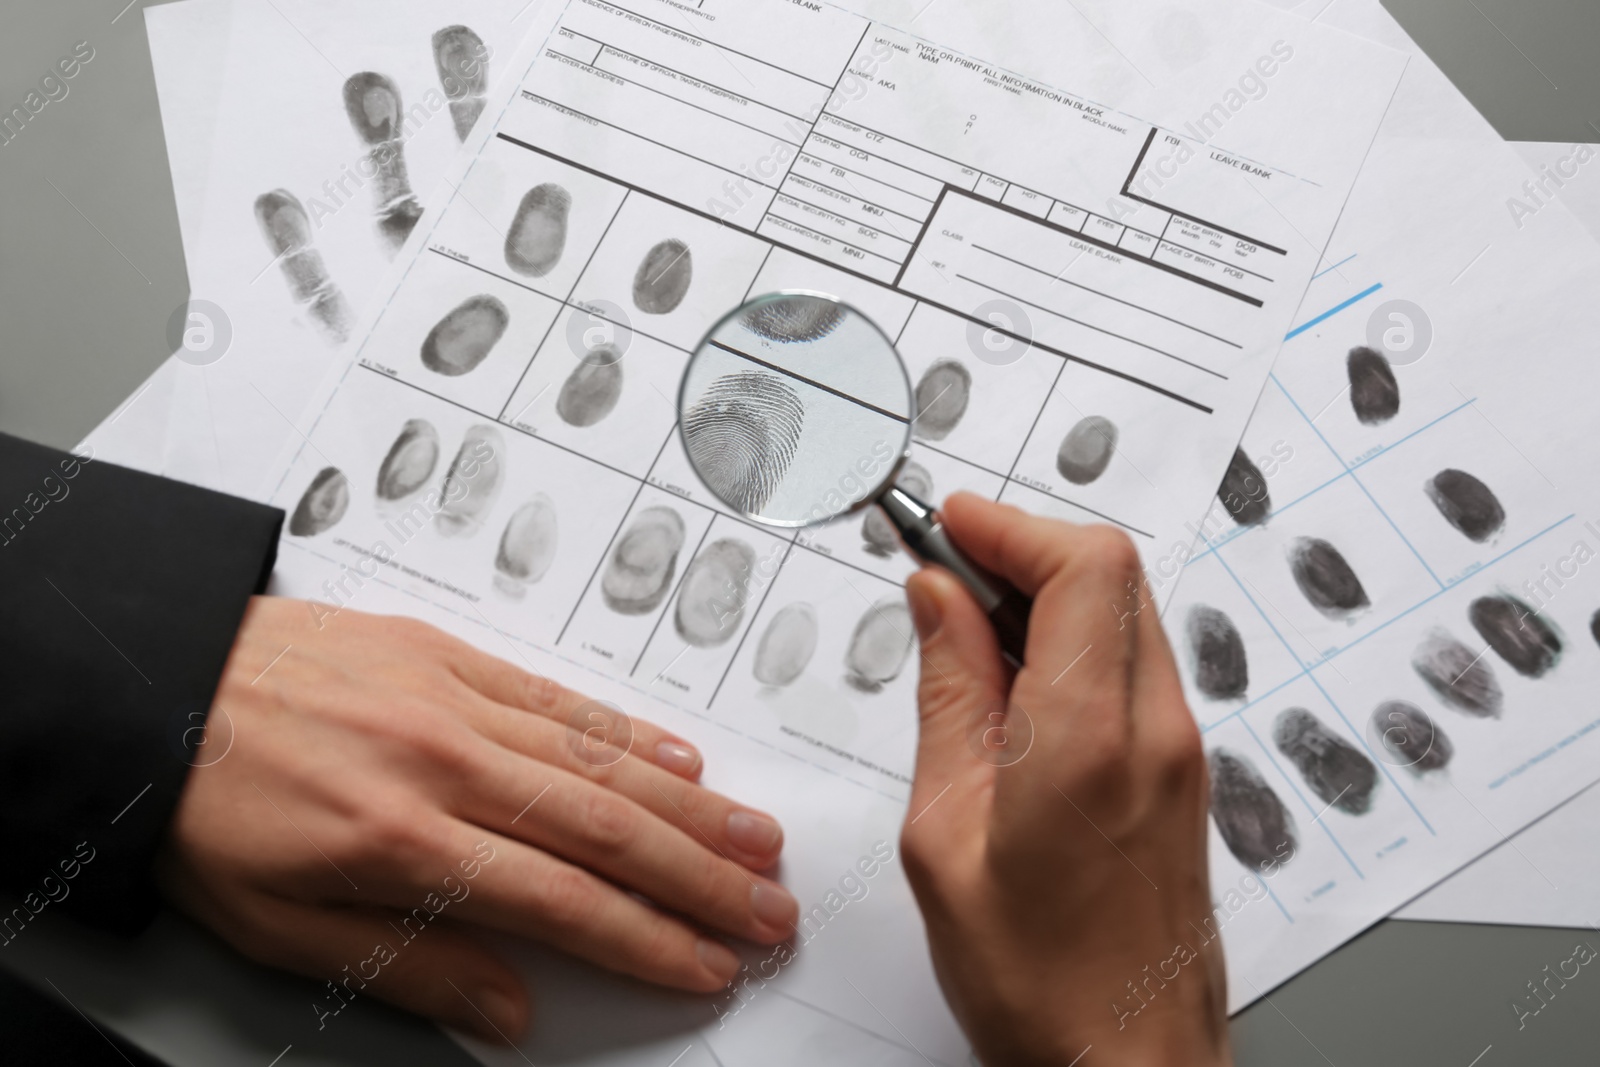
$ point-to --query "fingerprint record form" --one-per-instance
(644, 179)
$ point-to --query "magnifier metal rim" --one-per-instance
(879, 487)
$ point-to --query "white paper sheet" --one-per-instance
(188, 56)
(827, 759)
(1548, 874)
(1493, 395)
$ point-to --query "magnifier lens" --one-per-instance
(795, 409)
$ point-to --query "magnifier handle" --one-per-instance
(924, 534)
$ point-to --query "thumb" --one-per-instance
(964, 680)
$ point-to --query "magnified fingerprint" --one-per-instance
(1216, 652)
(879, 646)
(1466, 503)
(663, 277)
(943, 393)
(472, 482)
(1374, 394)
(1086, 451)
(1517, 633)
(715, 589)
(1244, 491)
(1459, 675)
(372, 102)
(1253, 822)
(787, 645)
(410, 462)
(527, 547)
(463, 65)
(593, 387)
(464, 337)
(287, 229)
(742, 434)
(1325, 579)
(876, 529)
(538, 231)
(322, 504)
(1594, 627)
(793, 318)
(1337, 771)
(1411, 737)
(643, 562)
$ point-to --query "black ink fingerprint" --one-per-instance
(787, 645)
(663, 277)
(1253, 822)
(1374, 394)
(472, 482)
(463, 65)
(322, 505)
(879, 646)
(643, 562)
(1594, 627)
(1466, 503)
(1517, 633)
(538, 232)
(593, 388)
(876, 529)
(715, 588)
(1336, 770)
(1325, 578)
(793, 318)
(742, 434)
(1086, 451)
(1411, 737)
(527, 547)
(410, 461)
(1459, 675)
(1221, 671)
(287, 229)
(1244, 491)
(943, 393)
(372, 102)
(464, 337)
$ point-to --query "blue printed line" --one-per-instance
(1292, 785)
(1336, 266)
(1382, 764)
(1359, 484)
(1302, 328)
(1278, 902)
(1336, 653)
(1234, 534)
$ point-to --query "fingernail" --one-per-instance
(773, 905)
(677, 757)
(754, 833)
(718, 959)
(926, 614)
(504, 1012)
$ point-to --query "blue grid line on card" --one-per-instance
(1273, 759)
(1341, 650)
(1359, 483)
(1336, 266)
(1351, 469)
(1382, 765)
(1278, 902)
(1330, 313)
(1304, 669)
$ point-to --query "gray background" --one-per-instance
(91, 268)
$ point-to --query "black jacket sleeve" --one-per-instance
(120, 595)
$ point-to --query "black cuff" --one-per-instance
(120, 597)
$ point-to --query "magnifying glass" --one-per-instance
(796, 409)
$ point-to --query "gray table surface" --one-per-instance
(91, 267)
